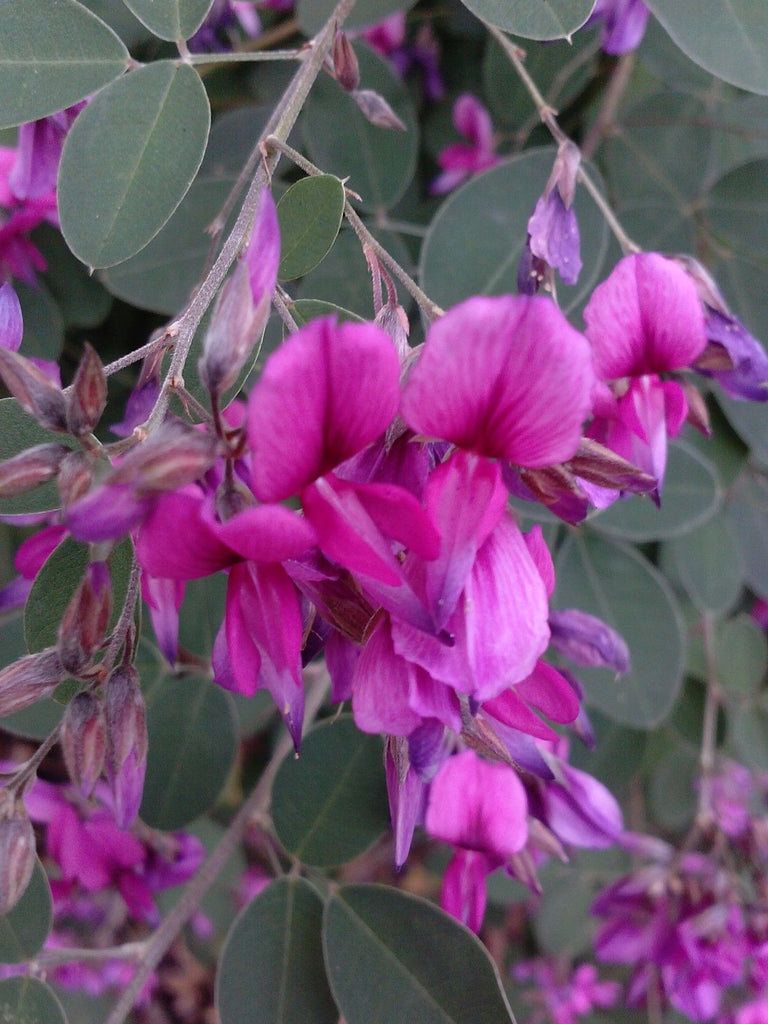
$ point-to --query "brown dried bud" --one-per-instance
(232, 497)
(345, 67)
(17, 850)
(31, 468)
(87, 398)
(127, 742)
(85, 621)
(698, 413)
(28, 680)
(172, 457)
(34, 392)
(377, 110)
(84, 741)
(75, 477)
(599, 465)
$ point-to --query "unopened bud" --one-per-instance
(84, 741)
(394, 320)
(31, 468)
(599, 465)
(345, 66)
(86, 618)
(126, 755)
(17, 850)
(377, 110)
(87, 398)
(75, 477)
(28, 680)
(172, 457)
(34, 392)
(587, 640)
(698, 413)
(236, 325)
(232, 497)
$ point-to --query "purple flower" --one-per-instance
(624, 24)
(553, 232)
(463, 159)
(743, 373)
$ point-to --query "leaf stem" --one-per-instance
(240, 56)
(705, 813)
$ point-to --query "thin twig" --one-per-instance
(704, 816)
(240, 56)
(607, 113)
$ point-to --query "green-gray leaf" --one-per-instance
(392, 957)
(309, 214)
(19, 431)
(29, 1001)
(533, 19)
(330, 804)
(129, 160)
(729, 39)
(51, 56)
(24, 929)
(709, 563)
(171, 19)
(313, 14)
(271, 968)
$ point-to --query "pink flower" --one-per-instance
(463, 159)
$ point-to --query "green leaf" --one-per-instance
(81, 298)
(617, 756)
(192, 745)
(737, 206)
(620, 586)
(43, 323)
(129, 159)
(741, 656)
(271, 968)
(728, 39)
(29, 1001)
(690, 497)
(330, 804)
(51, 56)
(709, 565)
(747, 511)
(474, 243)
(379, 162)
(562, 923)
(533, 19)
(671, 788)
(25, 928)
(748, 733)
(57, 582)
(304, 310)
(19, 431)
(309, 214)
(171, 19)
(313, 14)
(392, 957)
(749, 420)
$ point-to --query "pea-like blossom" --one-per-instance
(461, 160)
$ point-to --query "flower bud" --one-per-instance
(84, 741)
(75, 477)
(174, 456)
(28, 680)
(88, 397)
(345, 67)
(86, 618)
(126, 754)
(377, 110)
(599, 465)
(31, 468)
(17, 850)
(587, 640)
(232, 497)
(34, 392)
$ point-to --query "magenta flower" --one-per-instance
(463, 159)
(624, 24)
(506, 377)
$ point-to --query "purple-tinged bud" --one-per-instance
(34, 392)
(236, 325)
(126, 756)
(393, 319)
(86, 618)
(87, 398)
(75, 477)
(28, 680)
(17, 850)
(598, 465)
(11, 320)
(84, 741)
(345, 66)
(587, 640)
(31, 468)
(708, 291)
(553, 231)
(376, 109)
(698, 413)
(172, 457)
(232, 497)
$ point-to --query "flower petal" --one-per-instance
(170, 552)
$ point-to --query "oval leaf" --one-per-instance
(171, 19)
(393, 957)
(691, 496)
(309, 214)
(129, 159)
(379, 162)
(747, 511)
(737, 207)
(58, 580)
(748, 732)
(730, 40)
(192, 745)
(672, 787)
(474, 242)
(615, 583)
(25, 928)
(533, 19)
(29, 1001)
(271, 968)
(51, 56)
(741, 657)
(313, 14)
(709, 564)
(330, 804)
